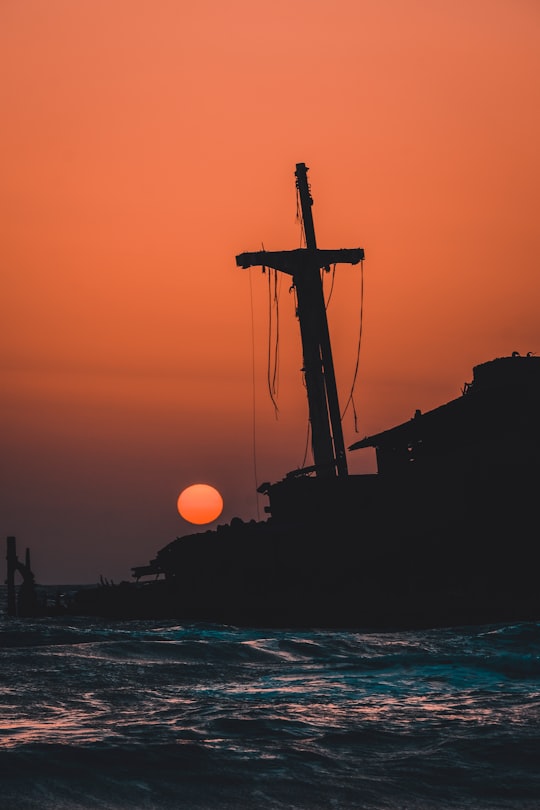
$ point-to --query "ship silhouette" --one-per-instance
(444, 533)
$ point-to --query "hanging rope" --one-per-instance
(306, 446)
(350, 400)
(272, 364)
(331, 285)
(303, 243)
(253, 403)
(300, 219)
(275, 372)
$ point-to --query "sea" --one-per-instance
(163, 715)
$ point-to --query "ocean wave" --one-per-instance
(155, 716)
(367, 770)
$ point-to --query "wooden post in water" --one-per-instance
(11, 558)
(26, 603)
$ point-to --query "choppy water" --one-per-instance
(146, 715)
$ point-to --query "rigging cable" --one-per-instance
(303, 243)
(306, 446)
(272, 359)
(331, 285)
(300, 219)
(253, 412)
(350, 400)
(275, 374)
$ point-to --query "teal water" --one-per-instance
(147, 715)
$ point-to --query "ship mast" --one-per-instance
(304, 265)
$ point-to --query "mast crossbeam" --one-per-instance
(292, 261)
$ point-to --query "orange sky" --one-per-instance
(145, 144)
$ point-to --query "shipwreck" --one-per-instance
(444, 533)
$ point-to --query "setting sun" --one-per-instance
(200, 503)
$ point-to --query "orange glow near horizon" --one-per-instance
(145, 145)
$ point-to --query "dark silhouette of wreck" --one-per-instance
(444, 533)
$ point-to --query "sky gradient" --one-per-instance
(145, 144)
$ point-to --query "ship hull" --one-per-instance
(377, 552)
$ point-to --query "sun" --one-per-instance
(200, 503)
